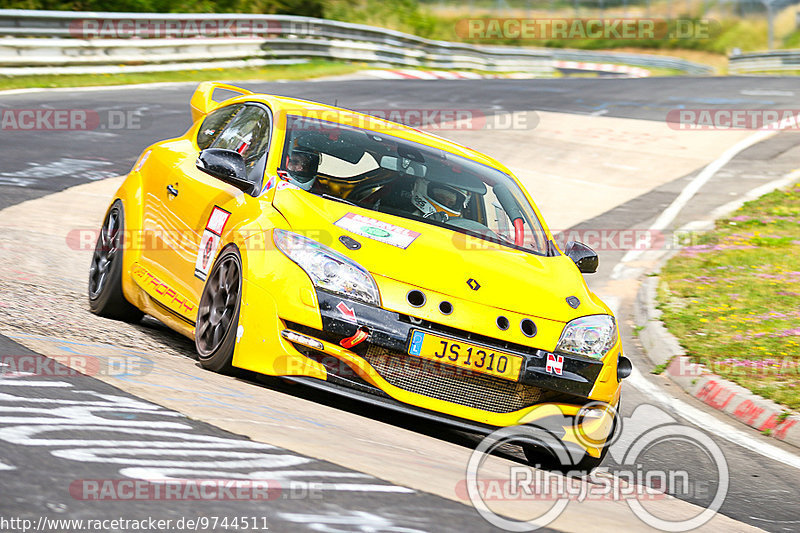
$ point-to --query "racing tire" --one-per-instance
(541, 457)
(218, 313)
(105, 272)
(578, 462)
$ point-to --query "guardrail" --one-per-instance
(54, 42)
(777, 61)
(639, 60)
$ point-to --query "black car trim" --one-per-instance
(387, 329)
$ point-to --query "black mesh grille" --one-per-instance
(452, 384)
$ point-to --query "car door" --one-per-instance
(160, 222)
(207, 203)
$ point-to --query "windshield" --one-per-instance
(383, 173)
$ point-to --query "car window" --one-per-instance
(384, 173)
(214, 123)
(248, 134)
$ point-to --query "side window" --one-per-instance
(214, 123)
(248, 134)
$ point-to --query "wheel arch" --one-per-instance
(129, 195)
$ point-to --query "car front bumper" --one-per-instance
(381, 371)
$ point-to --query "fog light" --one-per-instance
(589, 412)
(292, 336)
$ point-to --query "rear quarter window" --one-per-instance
(214, 123)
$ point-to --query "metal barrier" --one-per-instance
(56, 42)
(775, 61)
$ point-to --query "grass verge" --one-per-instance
(731, 298)
(312, 69)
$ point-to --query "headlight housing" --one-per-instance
(327, 268)
(589, 336)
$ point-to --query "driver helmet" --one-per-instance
(439, 200)
(301, 167)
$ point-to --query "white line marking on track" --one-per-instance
(754, 194)
(704, 420)
(622, 271)
(30, 383)
(4, 466)
(162, 85)
(765, 92)
(353, 487)
(670, 213)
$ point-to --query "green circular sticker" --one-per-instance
(376, 232)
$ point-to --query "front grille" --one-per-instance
(452, 384)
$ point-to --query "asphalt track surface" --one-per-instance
(763, 493)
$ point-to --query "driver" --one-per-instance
(438, 201)
(301, 167)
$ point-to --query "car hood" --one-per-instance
(442, 260)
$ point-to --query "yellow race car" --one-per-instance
(357, 255)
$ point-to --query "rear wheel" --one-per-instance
(218, 315)
(105, 272)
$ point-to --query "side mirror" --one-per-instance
(225, 165)
(583, 256)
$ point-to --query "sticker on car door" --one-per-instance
(209, 243)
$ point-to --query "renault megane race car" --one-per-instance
(339, 250)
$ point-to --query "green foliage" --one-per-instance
(792, 40)
(411, 17)
(731, 297)
(309, 8)
(312, 69)
(402, 15)
(659, 369)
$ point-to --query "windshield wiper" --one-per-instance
(337, 199)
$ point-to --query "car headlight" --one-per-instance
(589, 336)
(327, 268)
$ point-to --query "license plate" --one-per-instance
(464, 354)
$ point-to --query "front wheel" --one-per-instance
(218, 314)
(105, 272)
(544, 458)
(567, 458)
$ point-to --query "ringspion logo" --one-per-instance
(648, 430)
